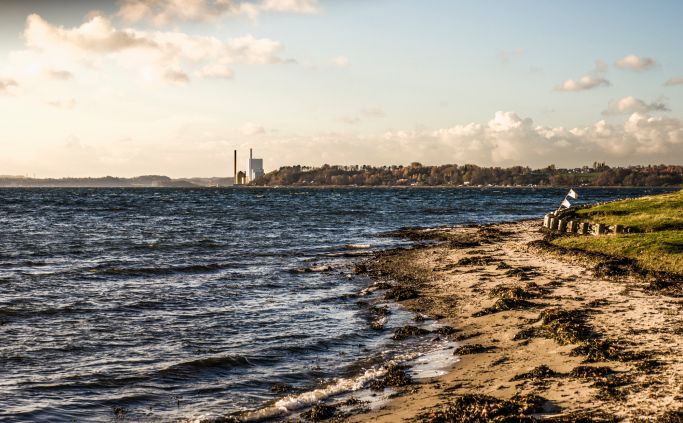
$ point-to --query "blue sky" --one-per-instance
(343, 82)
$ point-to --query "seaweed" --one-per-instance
(526, 333)
(445, 330)
(671, 416)
(476, 408)
(408, 331)
(609, 388)
(466, 336)
(504, 304)
(476, 261)
(400, 293)
(590, 372)
(596, 350)
(395, 376)
(539, 373)
(583, 417)
(565, 326)
(319, 412)
(649, 366)
(471, 349)
(514, 292)
(524, 273)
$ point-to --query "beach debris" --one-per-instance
(319, 412)
(395, 376)
(649, 366)
(445, 330)
(609, 388)
(539, 373)
(476, 261)
(504, 304)
(583, 417)
(466, 336)
(596, 350)
(524, 273)
(514, 292)
(408, 331)
(472, 349)
(400, 293)
(476, 408)
(590, 372)
(671, 416)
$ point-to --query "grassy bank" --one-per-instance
(659, 221)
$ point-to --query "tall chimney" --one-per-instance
(251, 156)
(234, 181)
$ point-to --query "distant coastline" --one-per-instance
(413, 175)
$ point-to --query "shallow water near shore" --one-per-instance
(170, 304)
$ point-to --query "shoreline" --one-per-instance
(610, 356)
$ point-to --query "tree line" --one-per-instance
(415, 174)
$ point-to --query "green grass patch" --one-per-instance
(661, 251)
(646, 214)
(657, 246)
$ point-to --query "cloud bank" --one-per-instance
(168, 56)
(161, 12)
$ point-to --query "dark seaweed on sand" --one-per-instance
(590, 372)
(400, 293)
(395, 376)
(471, 349)
(475, 408)
(319, 412)
(408, 331)
(539, 373)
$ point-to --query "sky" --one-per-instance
(172, 87)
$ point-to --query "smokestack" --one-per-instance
(235, 168)
(251, 156)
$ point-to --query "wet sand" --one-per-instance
(492, 286)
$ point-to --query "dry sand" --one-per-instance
(645, 325)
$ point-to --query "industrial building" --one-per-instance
(253, 171)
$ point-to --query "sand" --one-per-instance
(647, 378)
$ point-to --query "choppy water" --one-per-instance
(173, 303)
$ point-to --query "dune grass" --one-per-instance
(658, 246)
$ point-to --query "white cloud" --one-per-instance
(630, 104)
(678, 80)
(58, 74)
(177, 77)
(164, 55)
(586, 82)
(341, 61)
(161, 12)
(6, 85)
(594, 79)
(365, 114)
(637, 63)
(508, 139)
(63, 103)
(251, 129)
(216, 70)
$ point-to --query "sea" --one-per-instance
(192, 304)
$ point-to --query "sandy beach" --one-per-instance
(574, 336)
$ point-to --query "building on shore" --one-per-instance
(254, 167)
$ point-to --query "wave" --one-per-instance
(143, 271)
(225, 362)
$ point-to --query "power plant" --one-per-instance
(254, 169)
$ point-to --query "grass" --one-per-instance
(655, 250)
(646, 214)
(659, 219)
